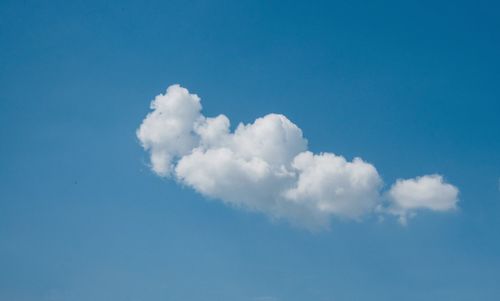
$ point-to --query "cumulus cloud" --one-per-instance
(427, 192)
(265, 166)
(167, 132)
(334, 185)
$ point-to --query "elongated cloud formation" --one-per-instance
(265, 167)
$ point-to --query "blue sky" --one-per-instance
(411, 88)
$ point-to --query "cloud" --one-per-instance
(167, 132)
(427, 192)
(334, 185)
(265, 166)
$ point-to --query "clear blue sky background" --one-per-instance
(413, 88)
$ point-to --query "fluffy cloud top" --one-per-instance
(167, 132)
(265, 166)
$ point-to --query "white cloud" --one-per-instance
(427, 192)
(265, 166)
(167, 132)
(334, 185)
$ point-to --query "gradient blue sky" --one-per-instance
(413, 88)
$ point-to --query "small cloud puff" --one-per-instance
(427, 192)
(265, 167)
